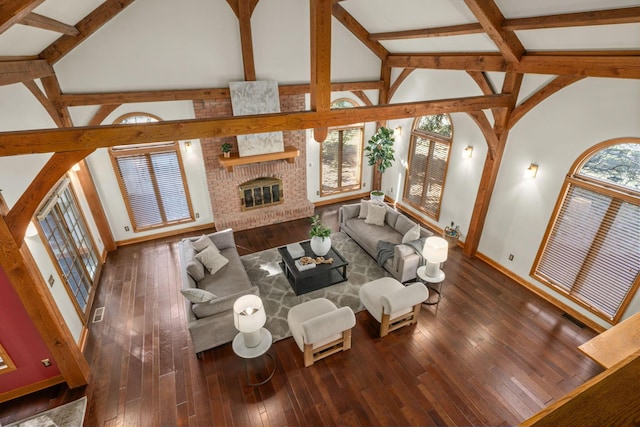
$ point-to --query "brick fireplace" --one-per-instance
(224, 185)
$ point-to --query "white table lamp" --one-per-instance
(249, 317)
(434, 252)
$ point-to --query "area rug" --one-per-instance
(264, 272)
(68, 415)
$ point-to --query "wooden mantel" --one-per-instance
(289, 154)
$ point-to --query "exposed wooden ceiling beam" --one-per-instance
(359, 31)
(596, 64)
(13, 11)
(597, 17)
(86, 27)
(46, 102)
(451, 30)
(480, 61)
(45, 23)
(491, 19)
(320, 12)
(246, 39)
(587, 66)
(22, 71)
(93, 137)
(78, 99)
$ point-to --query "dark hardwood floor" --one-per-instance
(492, 354)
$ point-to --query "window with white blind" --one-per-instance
(152, 182)
(428, 159)
(6, 364)
(591, 251)
(341, 156)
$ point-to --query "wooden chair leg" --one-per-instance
(416, 313)
(308, 355)
(346, 340)
(384, 325)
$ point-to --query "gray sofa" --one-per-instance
(210, 323)
(405, 261)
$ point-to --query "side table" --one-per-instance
(431, 282)
(252, 352)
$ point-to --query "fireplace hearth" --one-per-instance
(260, 193)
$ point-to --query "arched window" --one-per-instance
(428, 159)
(152, 180)
(341, 156)
(591, 250)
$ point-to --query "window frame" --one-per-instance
(50, 205)
(359, 126)
(7, 364)
(147, 150)
(434, 139)
(617, 194)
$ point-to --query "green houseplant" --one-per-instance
(226, 149)
(320, 241)
(380, 153)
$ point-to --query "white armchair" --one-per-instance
(320, 328)
(393, 304)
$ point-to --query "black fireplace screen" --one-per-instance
(260, 192)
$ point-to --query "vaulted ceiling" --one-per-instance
(487, 39)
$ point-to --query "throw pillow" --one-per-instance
(195, 269)
(364, 209)
(376, 214)
(196, 295)
(412, 234)
(212, 259)
(204, 242)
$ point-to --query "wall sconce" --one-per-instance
(397, 131)
(76, 167)
(531, 171)
(187, 147)
(467, 152)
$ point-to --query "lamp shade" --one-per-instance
(249, 314)
(435, 249)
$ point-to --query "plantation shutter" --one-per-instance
(154, 188)
(593, 250)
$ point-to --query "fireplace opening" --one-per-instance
(261, 192)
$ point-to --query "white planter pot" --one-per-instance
(374, 197)
(320, 246)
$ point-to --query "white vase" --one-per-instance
(320, 246)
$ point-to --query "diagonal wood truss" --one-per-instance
(71, 144)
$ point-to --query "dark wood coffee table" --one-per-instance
(321, 276)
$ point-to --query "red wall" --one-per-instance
(22, 342)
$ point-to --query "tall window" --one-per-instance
(68, 241)
(428, 158)
(152, 181)
(591, 251)
(341, 156)
(6, 364)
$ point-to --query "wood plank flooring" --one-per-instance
(492, 354)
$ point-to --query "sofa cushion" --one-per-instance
(391, 217)
(196, 295)
(202, 243)
(195, 269)
(376, 214)
(404, 224)
(212, 259)
(412, 234)
(364, 209)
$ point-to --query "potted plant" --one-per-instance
(320, 240)
(226, 149)
(452, 234)
(380, 152)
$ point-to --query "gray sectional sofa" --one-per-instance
(209, 297)
(394, 228)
